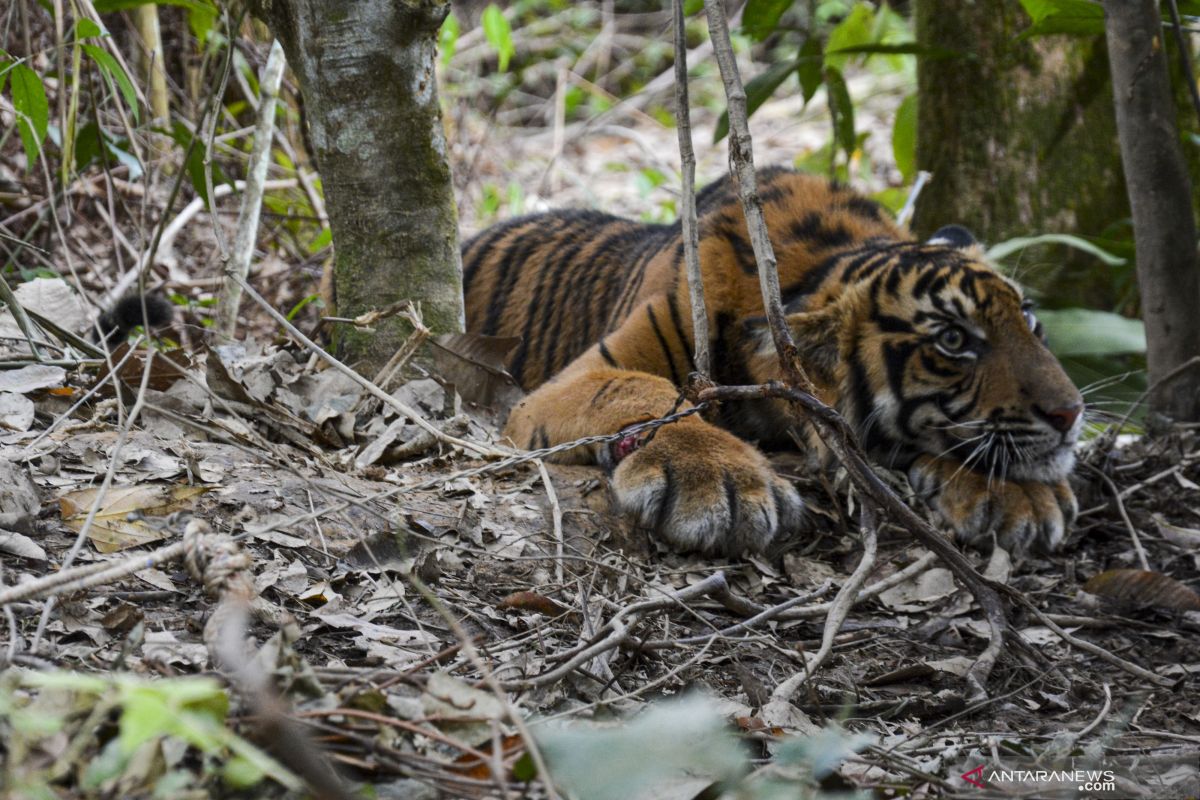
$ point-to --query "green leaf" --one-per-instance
(904, 137)
(899, 48)
(524, 768)
(448, 38)
(809, 70)
(1075, 17)
(692, 7)
(499, 34)
(760, 18)
(824, 751)
(322, 240)
(649, 750)
(113, 72)
(1085, 332)
(758, 89)
(841, 109)
(853, 31)
(194, 164)
(1001, 250)
(85, 29)
(33, 111)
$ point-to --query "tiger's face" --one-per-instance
(939, 354)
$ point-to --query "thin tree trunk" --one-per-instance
(366, 73)
(1160, 196)
(1018, 135)
(146, 19)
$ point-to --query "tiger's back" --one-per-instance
(562, 280)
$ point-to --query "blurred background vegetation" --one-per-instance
(126, 126)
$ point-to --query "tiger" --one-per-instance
(934, 357)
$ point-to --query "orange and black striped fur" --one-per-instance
(927, 350)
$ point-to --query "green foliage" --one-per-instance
(760, 18)
(904, 137)
(684, 738)
(498, 33)
(1076, 17)
(448, 38)
(112, 72)
(1002, 250)
(1086, 332)
(198, 172)
(33, 110)
(189, 711)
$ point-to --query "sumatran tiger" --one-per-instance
(935, 358)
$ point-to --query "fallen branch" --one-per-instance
(620, 630)
(842, 604)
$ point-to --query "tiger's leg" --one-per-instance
(1019, 514)
(697, 485)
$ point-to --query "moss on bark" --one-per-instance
(366, 71)
(1020, 137)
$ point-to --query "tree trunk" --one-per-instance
(1160, 197)
(366, 72)
(1019, 137)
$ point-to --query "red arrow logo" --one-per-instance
(978, 773)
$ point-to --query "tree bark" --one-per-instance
(366, 72)
(1160, 196)
(1018, 135)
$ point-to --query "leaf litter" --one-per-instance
(380, 582)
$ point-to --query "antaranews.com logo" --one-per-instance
(1166, 774)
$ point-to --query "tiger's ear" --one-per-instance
(958, 238)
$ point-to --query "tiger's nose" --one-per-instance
(1061, 419)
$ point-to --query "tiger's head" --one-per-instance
(927, 349)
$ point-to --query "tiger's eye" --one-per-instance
(952, 339)
(1030, 320)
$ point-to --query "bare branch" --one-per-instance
(256, 176)
(687, 211)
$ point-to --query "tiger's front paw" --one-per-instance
(1020, 515)
(704, 489)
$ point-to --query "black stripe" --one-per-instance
(476, 249)
(606, 355)
(669, 497)
(812, 230)
(867, 209)
(509, 268)
(662, 341)
(600, 392)
(548, 279)
(677, 321)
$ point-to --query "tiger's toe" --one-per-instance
(1019, 516)
(704, 489)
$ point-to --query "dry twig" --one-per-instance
(687, 213)
(256, 176)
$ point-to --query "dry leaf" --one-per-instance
(18, 544)
(31, 378)
(532, 602)
(112, 530)
(476, 365)
(1143, 589)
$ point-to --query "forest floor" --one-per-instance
(427, 615)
